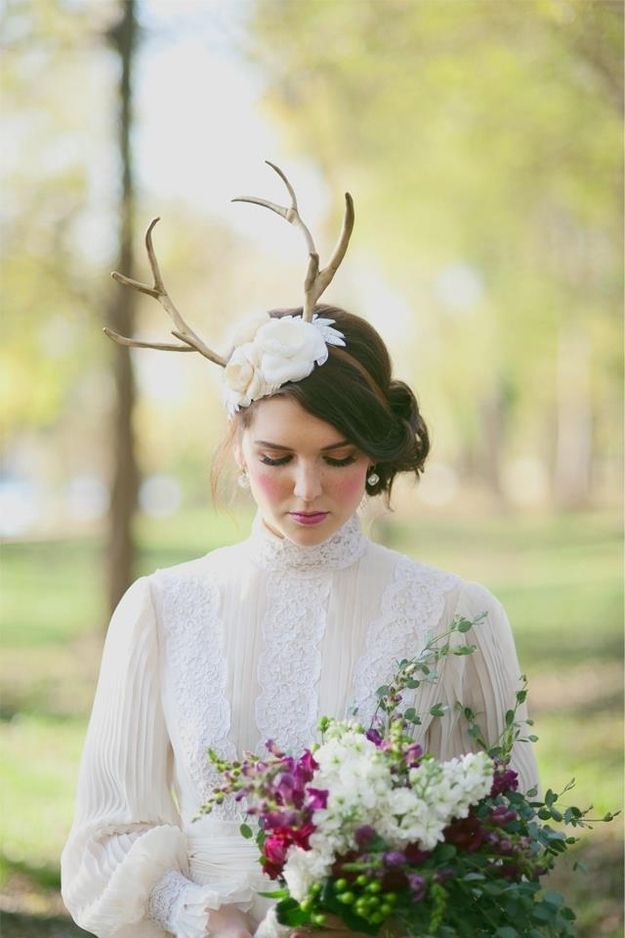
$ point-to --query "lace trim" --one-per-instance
(289, 665)
(190, 610)
(341, 550)
(411, 607)
(165, 897)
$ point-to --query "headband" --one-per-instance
(267, 351)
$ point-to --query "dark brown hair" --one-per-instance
(355, 392)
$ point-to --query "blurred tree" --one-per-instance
(483, 140)
(121, 318)
(50, 133)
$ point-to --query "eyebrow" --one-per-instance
(279, 446)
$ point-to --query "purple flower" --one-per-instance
(412, 755)
(394, 858)
(502, 815)
(374, 737)
(272, 747)
(307, 764)
(279, 820)
(504, 780)
(418, 886)
(285, 785)
(364, 835)
(318, 798)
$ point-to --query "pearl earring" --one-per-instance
(243, 480)
(373, 478)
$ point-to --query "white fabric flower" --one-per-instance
(289, 348)
(270, 351)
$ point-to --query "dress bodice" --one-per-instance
(260, 639)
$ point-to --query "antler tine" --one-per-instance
(316, 280)
(135, 343)
(193, 343)
(291, 213)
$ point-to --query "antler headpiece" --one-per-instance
(267, 351)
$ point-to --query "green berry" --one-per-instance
(377, 918)
(315, 889)
(385, 909)
(319, 918)
(362, 880)
(374, 887)
(306, 905)
(341, 885)
(347, 898)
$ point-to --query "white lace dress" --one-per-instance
(250, 642)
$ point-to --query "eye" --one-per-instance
(281, 461)
(346, 461)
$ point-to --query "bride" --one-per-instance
(305, 617)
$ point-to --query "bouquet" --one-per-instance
(366, 827)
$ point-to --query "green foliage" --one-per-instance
(485, 135)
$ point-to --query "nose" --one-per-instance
(307, 481)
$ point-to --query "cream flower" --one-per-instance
(244, 381)
(289, 348)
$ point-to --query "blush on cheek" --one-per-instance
(349, 485)
(268, 483)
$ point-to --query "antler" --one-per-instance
(191, 341)
(316, 280)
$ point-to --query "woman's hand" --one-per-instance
(228, 922)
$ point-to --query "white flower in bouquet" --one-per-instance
(304, 868)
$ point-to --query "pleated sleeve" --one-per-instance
(124, 863)
(485, 681)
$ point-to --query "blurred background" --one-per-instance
(481, 140)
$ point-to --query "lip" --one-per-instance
(309, 517)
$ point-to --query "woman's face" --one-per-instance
(305, 477)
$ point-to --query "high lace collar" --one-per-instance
(340, 550)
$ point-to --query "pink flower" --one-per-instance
(317, 798)
(274, 853)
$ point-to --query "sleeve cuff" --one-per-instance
(183, 907)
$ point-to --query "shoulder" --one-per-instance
(193, 589)
(207, 567)
(466, 597)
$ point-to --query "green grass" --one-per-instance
(559, 578)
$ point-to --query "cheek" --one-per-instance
(349, 483)
(268, 483)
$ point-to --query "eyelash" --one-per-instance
(283, 460)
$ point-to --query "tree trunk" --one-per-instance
(121, 318)
(493, 411)
(574, 415)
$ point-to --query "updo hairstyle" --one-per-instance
(354, 391)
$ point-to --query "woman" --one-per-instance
(255, 641)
